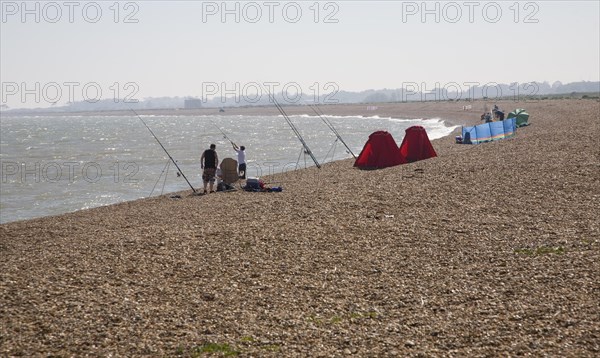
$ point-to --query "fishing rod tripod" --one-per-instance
(294, 129)
(165, 149)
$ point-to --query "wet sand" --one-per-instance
(486, 250)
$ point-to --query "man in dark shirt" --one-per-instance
(209, 162)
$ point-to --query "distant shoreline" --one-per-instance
(452, 111)
(569, 91)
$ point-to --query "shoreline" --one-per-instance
(260, 111)
(489, 249)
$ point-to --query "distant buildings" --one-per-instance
(192, 103)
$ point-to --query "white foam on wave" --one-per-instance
(439, 130)
(334, 116)
(436, 127)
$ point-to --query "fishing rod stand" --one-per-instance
(165, 171)
(302, 151)
(333, 147)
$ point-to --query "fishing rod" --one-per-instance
(165, 149)
(333, 129)
(294, 129)
(223, 133)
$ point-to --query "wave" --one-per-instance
(337, 117)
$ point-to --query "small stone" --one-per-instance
(409, 344)
(208, 296)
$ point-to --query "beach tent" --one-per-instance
(488, 132)
(521, 115)
(380, 151)
(416, 145)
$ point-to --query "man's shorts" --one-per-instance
(242, 170)
(208, 175)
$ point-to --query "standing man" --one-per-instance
(500, 115)
(241, 154)
(209, 162)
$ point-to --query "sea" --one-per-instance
(57, 164)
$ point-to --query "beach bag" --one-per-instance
(254, 184)
(222, 186)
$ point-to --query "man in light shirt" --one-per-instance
(241, 154)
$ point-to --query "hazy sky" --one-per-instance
(190, 48)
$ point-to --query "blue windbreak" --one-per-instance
(488, 132)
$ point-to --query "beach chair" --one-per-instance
(229, 172)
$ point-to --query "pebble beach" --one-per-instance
(485, 250)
